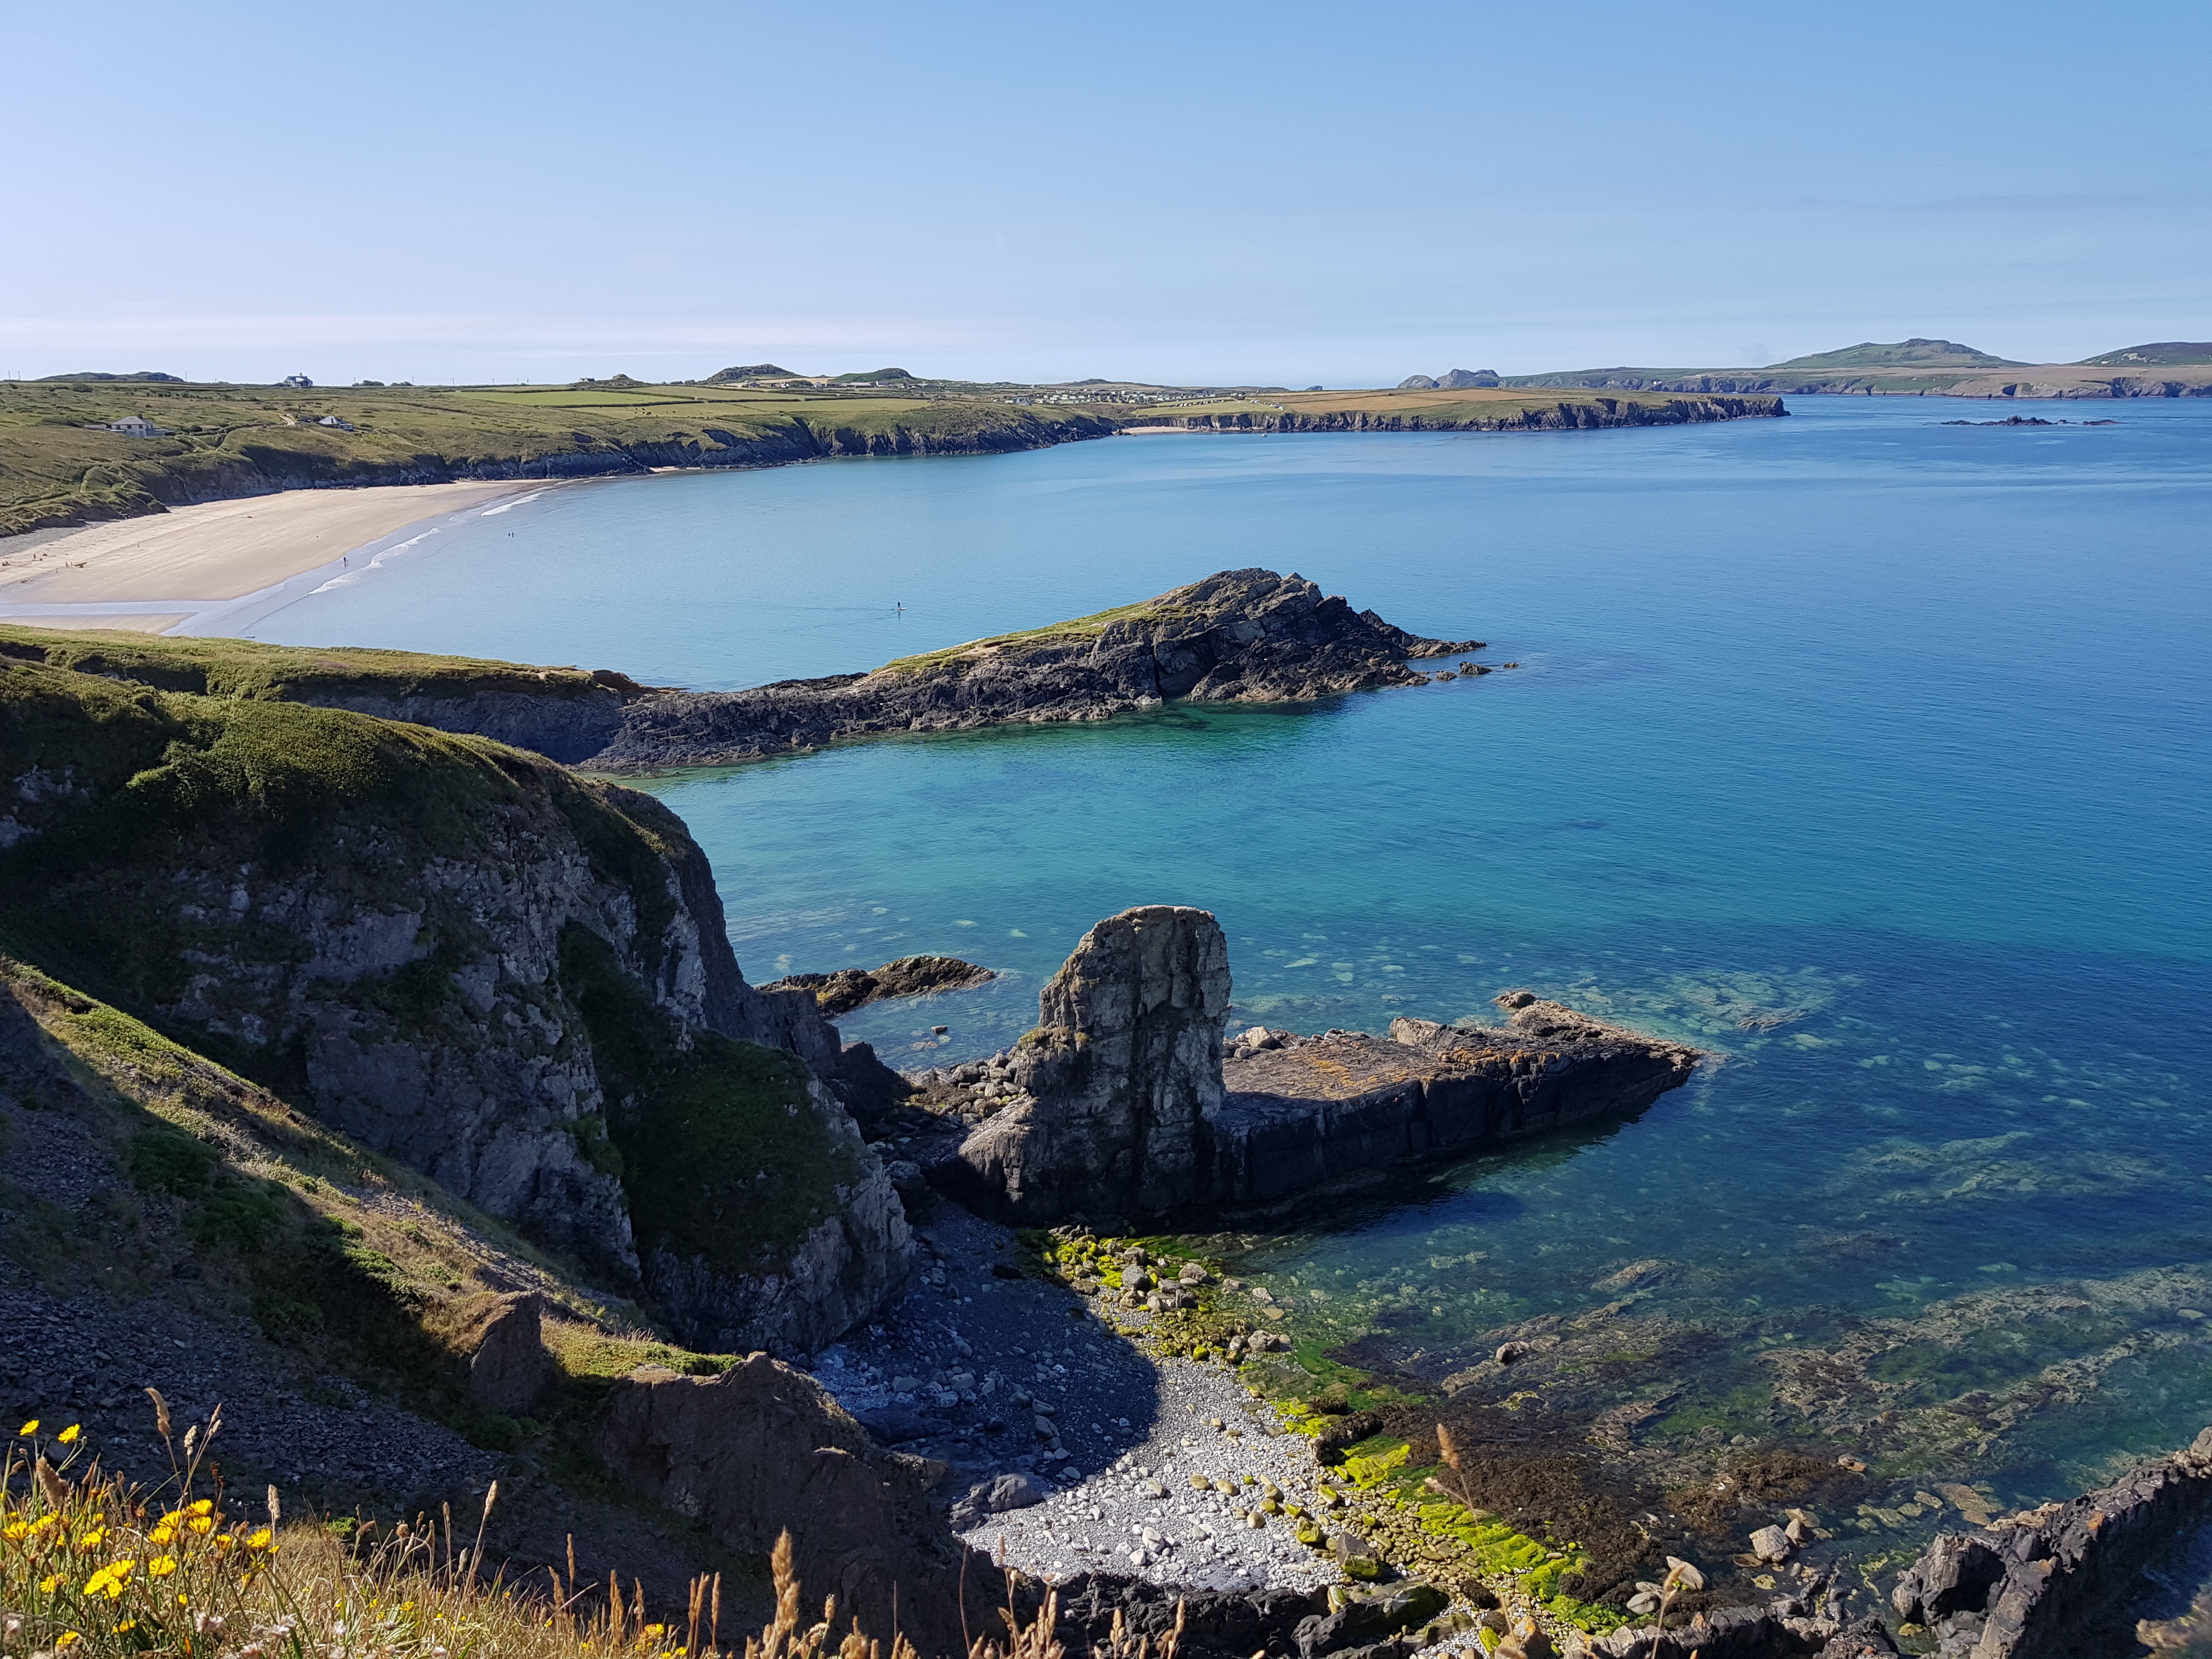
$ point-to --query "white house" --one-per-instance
(135, 426)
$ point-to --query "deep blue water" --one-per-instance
(1866, 751)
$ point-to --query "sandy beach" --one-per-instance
(156, 573)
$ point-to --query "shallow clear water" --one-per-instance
(1865, 751)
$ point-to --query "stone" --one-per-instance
(996, 1496)
(1193, 1273)
(1509, 1351)
(849, 988)
(509, 1370)
(1771, 1545)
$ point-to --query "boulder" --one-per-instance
(508, 1368)
(1013, 1491)
(763, 1449)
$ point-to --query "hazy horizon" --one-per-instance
(1289, 196)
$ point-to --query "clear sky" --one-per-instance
(1284, 193)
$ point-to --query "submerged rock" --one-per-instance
(849, 988)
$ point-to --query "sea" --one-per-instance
(1869, 751)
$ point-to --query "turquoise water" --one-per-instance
(1867, 752)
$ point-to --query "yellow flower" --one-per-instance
(68, 1436)
(68, 1638)
(259, 1540)
(161, 1534)
(161, 1566)
(201, 1523)
(206, 1506)
(15, 1530)
(46, 1522)
(50, 1584)
(128, 1624)
(28, 1429)
(93, 1540)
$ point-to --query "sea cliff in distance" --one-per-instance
(82, 448)
(1918, 367)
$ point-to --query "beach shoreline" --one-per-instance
(219, 566)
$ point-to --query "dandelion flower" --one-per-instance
(161, 1534)
(128, 1624)
(260, 1538)
(161, 1566)
(93, 1540)
(68, 1436)
(202, 1524)
(50, 1584)
(15, 1531)
(28, 1429)
(68, 1638)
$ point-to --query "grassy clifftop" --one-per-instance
(222, 442)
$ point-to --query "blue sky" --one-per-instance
(1280, 193)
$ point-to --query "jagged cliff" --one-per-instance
(515, 980)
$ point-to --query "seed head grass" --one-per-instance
(94, 1567)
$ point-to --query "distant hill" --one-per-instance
(144, 374)
(752, 372)
(869, 376)
(2170, 353)
(1904, 354)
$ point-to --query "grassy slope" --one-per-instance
(377, 1270)
(2191, 354)
(228, 441)
(1438, 408)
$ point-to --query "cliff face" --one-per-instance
(1591, 414)
(1239, 635)
(514, 980)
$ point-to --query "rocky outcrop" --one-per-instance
(849, 988)
(1120, 1105)
(762, 1448)
(509, 1369)
(1581, 414)
(515, 980)
(2029, 1587)
(1240, 635)
(1121, 1079)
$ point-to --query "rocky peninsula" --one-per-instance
(1239, 635)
